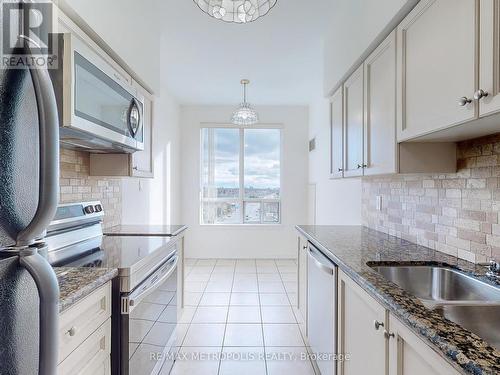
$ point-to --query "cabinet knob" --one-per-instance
(479, 94)
(463, 101)
(388, 335)
(340, 169)
(71, 331)
(135, 168)
(360, 166)
(304, 247)
(377, 324)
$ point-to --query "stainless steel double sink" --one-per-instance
(469, 302)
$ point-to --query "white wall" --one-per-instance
(157, 200)
(354, 25)
(130, 27)
(246, 241)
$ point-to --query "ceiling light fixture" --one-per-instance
(245, 114)
(237, 11)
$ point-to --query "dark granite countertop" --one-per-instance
(352, 247)
(145, 230)
(77, 283)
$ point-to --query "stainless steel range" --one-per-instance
(145, 296)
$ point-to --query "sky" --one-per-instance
(262, 158)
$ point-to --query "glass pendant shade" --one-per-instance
(237, 11)
(245, 114)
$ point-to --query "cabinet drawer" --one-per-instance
(92, 356)
(82, 319)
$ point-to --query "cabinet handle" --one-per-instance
(71, 331)
(388, 335)
(340, 169)
(135, 168)
(463, 101)
(377, 324)
(304, 247)
(362, 166)
(479, 94)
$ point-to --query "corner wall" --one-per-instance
(246, 241)
(157, 200)
(338, 201)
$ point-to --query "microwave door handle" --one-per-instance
(135, 299)
(49, 152)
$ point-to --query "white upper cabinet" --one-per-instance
(488, 93)
(353, 124)
(436, 62)
(337, 134)
(380, 147)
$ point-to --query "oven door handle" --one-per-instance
(155, 280)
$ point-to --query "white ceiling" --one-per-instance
(203, 59)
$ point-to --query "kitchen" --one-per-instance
(346, 224)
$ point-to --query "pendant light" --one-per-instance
(245, 114)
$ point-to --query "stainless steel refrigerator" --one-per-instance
(29, 186)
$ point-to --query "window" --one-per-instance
(240, 176)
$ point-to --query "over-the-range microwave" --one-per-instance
(99, 110)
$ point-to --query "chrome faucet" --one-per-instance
(493, 269)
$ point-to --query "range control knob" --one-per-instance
(89, 209)
(97, 208)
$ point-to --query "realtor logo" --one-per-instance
(26, 31)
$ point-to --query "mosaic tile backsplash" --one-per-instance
(76, 185)
(457, 213)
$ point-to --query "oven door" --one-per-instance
(148, 323)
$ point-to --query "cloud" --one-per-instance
(261, 158)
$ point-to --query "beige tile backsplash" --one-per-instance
(76, 185)
(454, 213)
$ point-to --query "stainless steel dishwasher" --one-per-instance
(322, 309)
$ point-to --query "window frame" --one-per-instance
(241, 198)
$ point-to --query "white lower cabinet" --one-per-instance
(377, 342)
(358, 316)
(409, 355)
(85, 335)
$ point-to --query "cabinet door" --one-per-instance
(142, 161)
(409, 355)
(337, 134)
(436, 66)
(353, 124)
(302, 283)
(489, 59)
(358, 335)
(380, 151)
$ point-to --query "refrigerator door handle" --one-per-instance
(37, 266)
(49, 152)
(48, 291)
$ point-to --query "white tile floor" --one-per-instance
(243, 309)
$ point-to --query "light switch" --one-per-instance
(379, 203)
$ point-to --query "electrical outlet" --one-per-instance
(379, 203)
